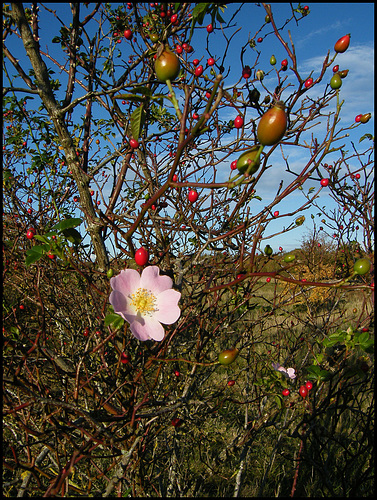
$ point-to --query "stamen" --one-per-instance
(144, 302)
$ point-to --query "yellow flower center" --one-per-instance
(144, 302)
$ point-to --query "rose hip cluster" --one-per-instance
(303, 391)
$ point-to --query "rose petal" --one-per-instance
(118, 301)
(127, 281)
(167, 307)
(147, 328)
(151, 280)
(291, 373)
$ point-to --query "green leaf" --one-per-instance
(137, 119)
(317, 373)
(199, 12)
(72, 235)
(366, 136)
(114, 320)
(41, 238)
(35, 253)
(65, 224)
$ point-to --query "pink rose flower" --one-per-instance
(287, 372)
(145, 301)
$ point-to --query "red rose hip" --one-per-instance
(141, 256)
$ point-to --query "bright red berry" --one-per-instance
(238, 122)
(308, 82)
(210, 61)
(358, 118)
(233, 165)
(285, 392)
(309, 385)
(303, 391)
(134, 143)
(284, 62)
(276, 213)
(260, 40)
(195, 62)
(30, 234)
(128, 34)
(324, 182)
(336, 68)
(173, 18)
(141, 256)
(268, 279)
(231, 382)
(51, 256)
(199, 70)
(178, 49)
(176, 373)
(210, 28)
(193, 196)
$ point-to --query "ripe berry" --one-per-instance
(176, 373)
(233, 165)
(178, 49)
(246, 72)
(125, 358)
(195, 62)
(309, 385)
(134, 143)
(231, 382)
(128, 34)
(51, 256)
(210, 61)
(199, 70)
(324, 182)
(30, 234)
(141, 256)
(193, 196)
(209, 28)
(276, 214)
(285, 392)
(358, 118)
(268, 279)
(309, 82)
(284, 62)
(238, 122)
(260, 40)
(173, 18)
(336, 68)
(303, 391)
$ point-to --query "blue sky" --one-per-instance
(313, 37)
